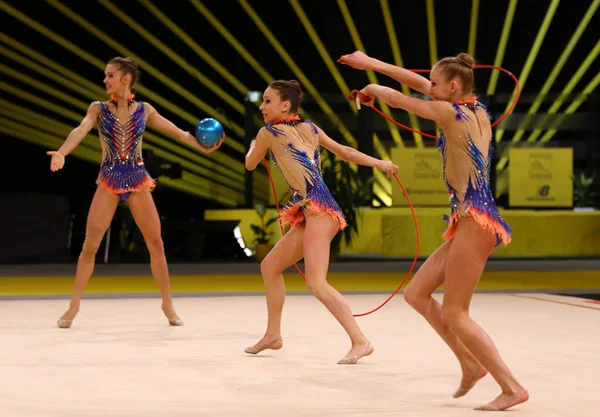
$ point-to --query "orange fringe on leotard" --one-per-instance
(146, 184)
(293, 214)
(482, 219)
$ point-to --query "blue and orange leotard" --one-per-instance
(122, 170)
(467, 159)
(295, 150)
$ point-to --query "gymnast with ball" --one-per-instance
(121, 123)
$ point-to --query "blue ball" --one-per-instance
(209, 131)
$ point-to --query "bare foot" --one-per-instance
(67, 319)
(172, 316)
(469, 379)
(267, 342)
(357, 352)
(505, 401)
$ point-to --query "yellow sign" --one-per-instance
(421, 172)
(539, 177)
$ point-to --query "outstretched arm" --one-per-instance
(157, 121)
(258, 150)
(349, 154)
(438, 111)
(360, 60)
(74, 138)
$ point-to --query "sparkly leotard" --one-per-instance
(467, 171)
(295, 150)
(122, 170)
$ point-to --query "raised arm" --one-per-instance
(258, 150)
(349, 154)
(157, 121)
(360, 60)
(438, 111)
(75, 137)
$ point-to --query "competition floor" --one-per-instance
(121, 358)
